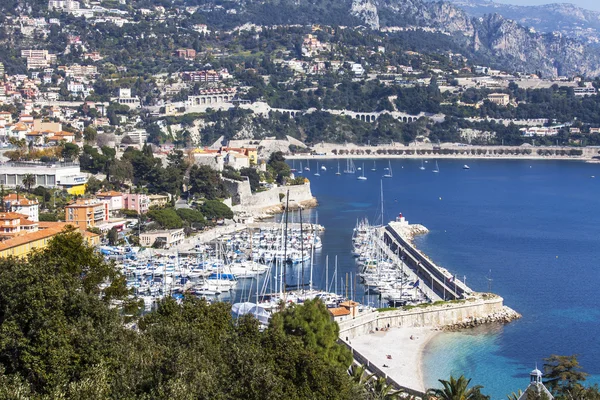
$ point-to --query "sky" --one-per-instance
(589, 4)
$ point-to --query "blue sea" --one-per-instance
(527, 230)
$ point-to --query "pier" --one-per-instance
(441, 284)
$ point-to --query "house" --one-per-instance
(536, 389)
(137, 202)
(339, 314)
(20, 204)
(113, 198)
(358, 69)
(158, 200)
(87, 213)
(501, 99)
(163, 239)
(21, 245)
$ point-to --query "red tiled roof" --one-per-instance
(339, 312)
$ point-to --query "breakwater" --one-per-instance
(481, 308)
(440, 281)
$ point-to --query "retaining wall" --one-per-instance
(432, 316)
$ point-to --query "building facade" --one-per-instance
(87, 213)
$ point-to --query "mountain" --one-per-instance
(503, 41)
(568, 19)
(488, 38)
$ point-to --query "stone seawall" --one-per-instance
(269, 201)
(451, 315)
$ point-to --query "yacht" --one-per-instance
(388, 174)
(466, 167)
(362, 177)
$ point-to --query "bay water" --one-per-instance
(526, 230)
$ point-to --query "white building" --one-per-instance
(536, 388)
(358, 69)
(22, 205)
(46, 175)
(165, 239)
(114, 200)
(538, 131)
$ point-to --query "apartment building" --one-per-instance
(87, 213)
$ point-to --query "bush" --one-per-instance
(191, 216)
(166, 218)
(213, 209)
(48, 217)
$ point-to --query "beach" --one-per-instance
(405, 364)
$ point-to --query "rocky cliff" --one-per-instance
(511, 45)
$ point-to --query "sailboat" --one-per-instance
(388, 174)
(293, 166)
(300, 170)
(374, 167)
(307, 168)
(362, 177)
(422, 167)
(437, 169)
(338, 171)
(317, 173)
(350, 169)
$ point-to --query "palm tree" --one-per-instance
(28, 180)
(359, 374)
(455, 389)
(381, 390)
(515, 396)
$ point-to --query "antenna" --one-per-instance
(382, 217)
(489, 279)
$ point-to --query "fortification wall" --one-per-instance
(439, 316)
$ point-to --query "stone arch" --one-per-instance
(220, 99)
(404, 119)
(203, 100)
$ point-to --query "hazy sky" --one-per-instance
(589, 4)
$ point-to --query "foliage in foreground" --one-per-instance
(60, 338)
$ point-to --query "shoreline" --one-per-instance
(406, 364)
(434, 156)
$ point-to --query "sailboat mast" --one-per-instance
(285, 237)
(327, 273)
(302, 248)
(382, 217)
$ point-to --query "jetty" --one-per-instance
(441, 283)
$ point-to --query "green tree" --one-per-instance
(456, 389)
(166, 217)
(90, 134)
(191, 216)
(253, 177)
(311, 323)
(381, 390)
(213, 209)
(56, 321)
(206, 182)
(70, 151)
(113, 236)
(563, 374)
(28, 181)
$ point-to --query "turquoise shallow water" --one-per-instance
(533, 226)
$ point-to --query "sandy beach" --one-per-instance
(405, 365)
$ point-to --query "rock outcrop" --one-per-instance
(366, 11)
(504, 316)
